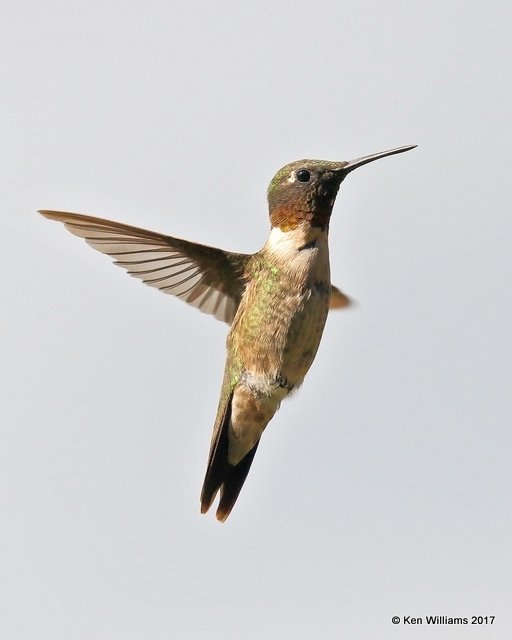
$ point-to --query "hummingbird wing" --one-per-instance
(339, 300)
(207, 278)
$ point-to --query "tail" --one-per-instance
(220, 475)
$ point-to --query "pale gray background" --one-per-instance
(383, 487)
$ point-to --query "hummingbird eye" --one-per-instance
(303, 175)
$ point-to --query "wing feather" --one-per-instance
(207, 278)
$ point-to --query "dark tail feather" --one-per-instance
(234, 479)
(222, 475)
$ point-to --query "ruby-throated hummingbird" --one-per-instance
(276, 302)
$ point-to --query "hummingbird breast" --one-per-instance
(276, 331)
(279, 325)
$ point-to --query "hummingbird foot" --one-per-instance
(283, 383)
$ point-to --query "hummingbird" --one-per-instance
(276, 302)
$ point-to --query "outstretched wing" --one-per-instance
(207, 278)
(339, 300)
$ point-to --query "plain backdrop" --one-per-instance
(383, 487)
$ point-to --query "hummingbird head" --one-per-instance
(305, 190)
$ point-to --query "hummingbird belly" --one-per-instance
(274, 362)
(304, 335)
(276, 331)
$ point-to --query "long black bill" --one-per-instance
(359, 162)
